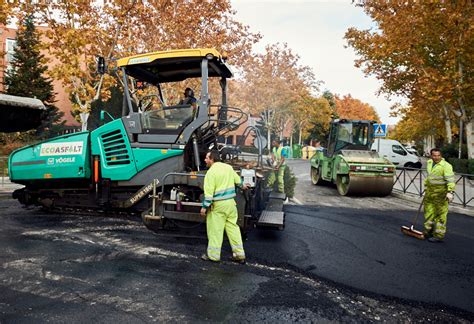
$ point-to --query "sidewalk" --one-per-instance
(468, 211)
(411, 182)
(7, 187)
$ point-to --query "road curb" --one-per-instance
(5, 195)
(416, 199)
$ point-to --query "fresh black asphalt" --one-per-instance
(338, 259)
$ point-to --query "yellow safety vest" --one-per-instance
(440, 176)
(277, 153)
(219, 183)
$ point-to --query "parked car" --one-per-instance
(412, 150)
(228, 151)
(396, 153)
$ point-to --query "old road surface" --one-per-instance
(339, 259)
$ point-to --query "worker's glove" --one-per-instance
(450, 197)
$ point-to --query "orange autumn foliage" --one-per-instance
(351, 108)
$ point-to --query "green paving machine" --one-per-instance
(151, 160)
(349, 162)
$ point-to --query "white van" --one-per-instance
(396, 153)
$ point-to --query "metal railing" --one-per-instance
(409, 180)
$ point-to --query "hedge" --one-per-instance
(465, 166)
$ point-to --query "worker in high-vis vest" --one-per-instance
(278, 163)
(439, 191)
(220, 209)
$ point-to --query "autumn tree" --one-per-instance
(318, 125)
(351, 108)
(423, 51)
(275, 82)
(425, 123)
(81, 31)
(5, 11)
(193, 24)
(410, 129)
(312, 116)
(329, 96)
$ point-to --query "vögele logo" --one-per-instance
(66, 160)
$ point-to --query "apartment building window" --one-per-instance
(10, 49)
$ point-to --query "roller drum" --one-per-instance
(353, 185)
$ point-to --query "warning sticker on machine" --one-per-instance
(66, 148)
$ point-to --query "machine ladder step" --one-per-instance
(277, 195)
(270, 218)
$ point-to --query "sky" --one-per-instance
(314, 29)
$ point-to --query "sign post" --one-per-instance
(380, 130)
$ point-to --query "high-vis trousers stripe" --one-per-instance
(436, 217)
(272, 177)
(223, 217)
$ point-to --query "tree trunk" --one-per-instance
(282, 129)
(466, 114)
(469, 127)
(447, 125)
(300, 133)
(428, 144)
(460, 137)
(269, 139)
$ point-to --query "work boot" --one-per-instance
(435, 240)
(206, 258)
(239, 261)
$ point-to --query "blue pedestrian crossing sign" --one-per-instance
(380, 130)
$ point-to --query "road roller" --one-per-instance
(349, 162)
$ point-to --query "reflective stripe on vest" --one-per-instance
(440, 174)
(219, 183)
(278, 153)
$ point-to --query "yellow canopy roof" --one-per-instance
(150, 57)
(174, 65)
